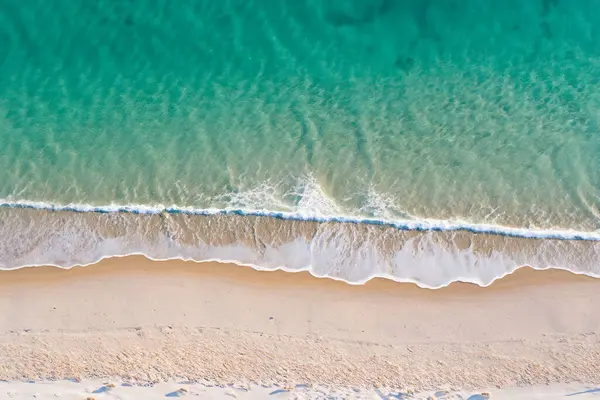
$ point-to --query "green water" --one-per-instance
(479, 111)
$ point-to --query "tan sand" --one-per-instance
(144, 320)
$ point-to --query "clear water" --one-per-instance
(471, 112)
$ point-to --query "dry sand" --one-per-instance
(143, 320)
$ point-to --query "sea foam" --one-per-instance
(429, 253)
(424, 224)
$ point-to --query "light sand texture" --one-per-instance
(113, 390)
(147, 321)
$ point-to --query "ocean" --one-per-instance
(427, 141)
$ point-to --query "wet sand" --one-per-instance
(144, 320)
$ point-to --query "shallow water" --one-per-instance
(443, 113)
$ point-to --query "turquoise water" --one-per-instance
(452, 113)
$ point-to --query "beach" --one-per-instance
(362, 199)
(141, 321)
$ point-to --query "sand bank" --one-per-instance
(143, 320)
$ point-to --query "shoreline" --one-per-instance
(148, 321)
(521, 276)
(353, 253)
(232, 263)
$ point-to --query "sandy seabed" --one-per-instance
(134, 320)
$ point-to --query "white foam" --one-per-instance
(264, 195)
(336, 251)
(423, 224)
(313, 200)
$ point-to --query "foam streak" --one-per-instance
(421, 225)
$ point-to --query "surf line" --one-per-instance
(422, 225)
